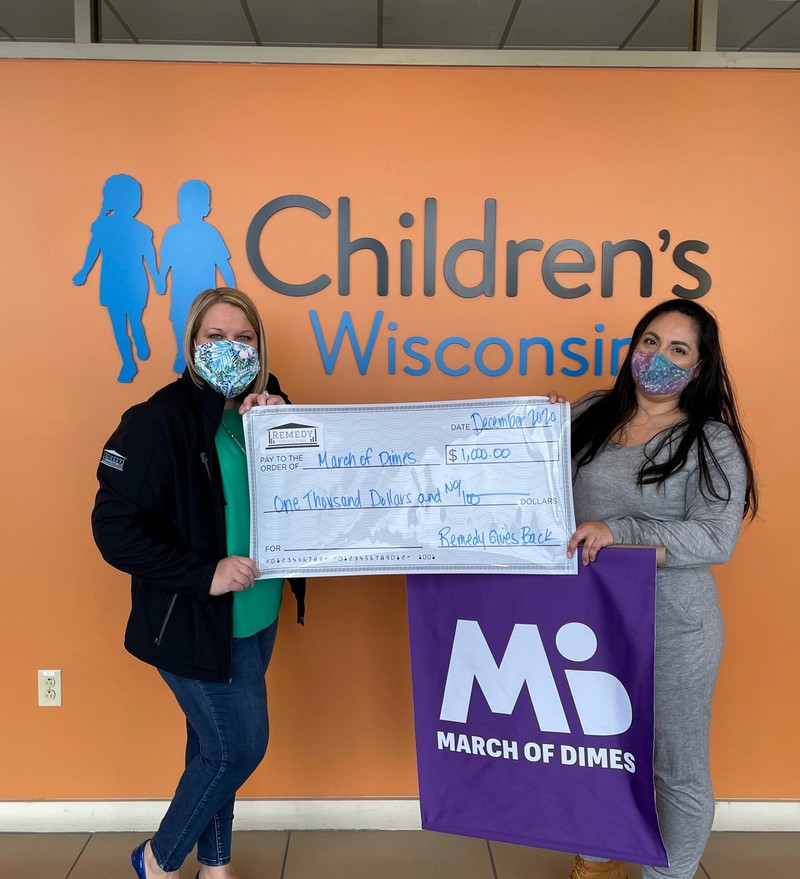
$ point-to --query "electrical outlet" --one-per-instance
(49, 687)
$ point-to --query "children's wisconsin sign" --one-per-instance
(533, 705)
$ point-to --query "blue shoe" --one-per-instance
(137, 860)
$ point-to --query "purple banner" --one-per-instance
(533, 706)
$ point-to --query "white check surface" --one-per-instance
(459, 486)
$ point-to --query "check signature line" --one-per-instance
(498, 546)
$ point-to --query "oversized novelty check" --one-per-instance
(460, 486)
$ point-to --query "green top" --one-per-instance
(256, 608)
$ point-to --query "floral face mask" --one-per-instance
(228, 367)
(656, 374)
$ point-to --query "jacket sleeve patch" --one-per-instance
(113, 459)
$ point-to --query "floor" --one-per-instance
(370, 854)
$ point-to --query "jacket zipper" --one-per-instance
(204, 459)
(167, 615)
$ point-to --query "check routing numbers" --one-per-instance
(457, 486)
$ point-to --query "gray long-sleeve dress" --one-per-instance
(697, 531)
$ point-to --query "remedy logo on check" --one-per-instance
(294, 435)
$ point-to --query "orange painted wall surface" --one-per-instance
(593, 155)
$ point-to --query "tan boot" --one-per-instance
(598, 869)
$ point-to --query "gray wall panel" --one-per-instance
(667, 27)
(575, 23)
(740, 20)
(38, 19)
(460, 23)
(186, 21)
(316, 22)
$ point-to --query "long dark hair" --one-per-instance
(708, 397)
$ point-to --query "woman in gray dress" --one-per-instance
(661, 459)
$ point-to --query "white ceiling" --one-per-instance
(743, 25)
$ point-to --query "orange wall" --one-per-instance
(589, 154)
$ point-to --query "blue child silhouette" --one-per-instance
(127, 250)
(192, 250)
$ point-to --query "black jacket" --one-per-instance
(159, 516)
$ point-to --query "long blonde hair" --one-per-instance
(197, 311)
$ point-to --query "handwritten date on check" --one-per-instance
(460, 486)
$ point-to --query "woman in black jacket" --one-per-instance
(172, 512)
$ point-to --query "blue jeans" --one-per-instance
(227, 733)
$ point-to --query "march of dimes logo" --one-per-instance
(193, 256)
(601, 701)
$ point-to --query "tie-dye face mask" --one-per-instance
(228, 367)
(656, 374)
